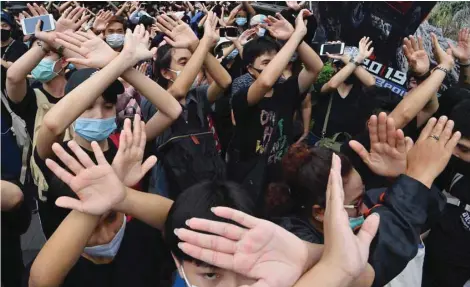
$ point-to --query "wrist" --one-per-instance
(331, 275)
(299, 34)
(193, 45)
(463, 62)
(448, 66)
(424, 178)
(359, 59)
(123, 205)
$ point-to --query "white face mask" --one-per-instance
(176, 72)
(261, 32)
(108, 250)
(185, 278)
(115, 40)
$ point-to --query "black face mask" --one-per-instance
(6, 34)
(459, 166)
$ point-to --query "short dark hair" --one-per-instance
(146, 21)
(163, 61)
(258, 47)
(118, 19)
(461, 116)
(197, 201)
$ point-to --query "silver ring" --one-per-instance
(434, 137)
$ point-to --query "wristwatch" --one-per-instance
(463, 64)
(351, 60)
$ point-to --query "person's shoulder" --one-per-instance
(300, 227)
(19, 45)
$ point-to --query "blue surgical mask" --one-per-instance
(356, 221)
(115, 40)
(95, 129)
(261, 32)
(232, 54)
(108, 250)
(44, 71)
(241, 21)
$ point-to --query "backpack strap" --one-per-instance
(327, 117)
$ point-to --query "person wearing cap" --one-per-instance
(102, 249)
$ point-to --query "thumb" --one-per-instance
(154, 50)
(69, 203)
(148, 164)
(408, 143)
(79, 61)
(360, 150)
(38, 27)
(369, 230)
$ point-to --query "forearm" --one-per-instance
(217, 72)
(239, 47)
(306, 113)
(228, 50)
(11, 196)
(341, 76)
(157, 125)
(309, 58)
(67, 110)
(63, 249)
(426, 113)
(365, 77)
(323, 274)
(159, 97)
(249, 8)
(183, 83)
(149, 208)
(464, 77)
(415, 101)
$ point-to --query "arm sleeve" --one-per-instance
(403, 210)
(134, 17)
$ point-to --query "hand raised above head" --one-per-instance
(444, 58)
(179, 34)
(416, 55)
(462, 50)
(278, 27)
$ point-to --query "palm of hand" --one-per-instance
(420, 62)
(128, 169)
(183, 35)
(99, 24)
(282, 30)
(462, 51)
(63, 25)
(97, 52)
(386, 161)
(98, 189)
(264, 255)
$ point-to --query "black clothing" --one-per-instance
(137, 263)
(11, 54)
(301, 227)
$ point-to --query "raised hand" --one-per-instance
(71, 19)
(128, 161)
(97, 186)
(136, 45)
(388, 147)
(344, 57)
(364, 49)
(278, 28)
(444, 58)
(95, 52)
(345, 254)
(462, 50)
(416, 55)
(101, 20)
(179, 34)
(432, 151)
(246, 36)
(259, 249)
(46, 37)
(301, 23)
(210, 32)
(294, 5)
(143, 68)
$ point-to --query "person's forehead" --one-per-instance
(181, 53)
(268, 55)
(115, 26)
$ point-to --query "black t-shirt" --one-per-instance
(266, 125)
(51, 214)
(11, 54)
(139, 262)
(343, 115)
(28, 107)
(301, 227)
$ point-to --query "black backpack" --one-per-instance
(190, 155)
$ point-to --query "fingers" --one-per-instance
(236, 215)
(143, 136)
(426, 132)
(89, 36)
(69, 203)
(60, 172)
(148, 164)
(391, 133)
(223, 229)
(452, 143)
(382, 127)
(78, 14)
(81, 155)
(414, 43)
(67, 12)
(163, 28)
(373, 132)
(420, 43)
(128, 131)
(137, 132)
(74, 12)
(211, 242)
(360, 150)
(447, 132)
(221, 260)
(438, 128)
(69, 40)
(408, 143)
(37, 29)
(368, 231)
(400, 141)
(69, 161)
(32, 9)
(98, 153)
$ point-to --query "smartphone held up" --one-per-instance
(29, 24)
(332, 48)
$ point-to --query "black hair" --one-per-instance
(110, 98)
(163, 61)
(146, 21)
(306, 171)
(461, 116)
(197, 201)
(258, 47)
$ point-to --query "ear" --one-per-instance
(318, 213)
(63, 63)
(166, 74)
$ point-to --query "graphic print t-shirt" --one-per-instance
(267, 125)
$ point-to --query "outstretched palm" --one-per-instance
(264, 251)
(387, 156)
(128, 161)
(179, 33)
(416, 55)
(279, 28)
(97, 186)
(462, 51)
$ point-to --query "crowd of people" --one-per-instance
(158, 150)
